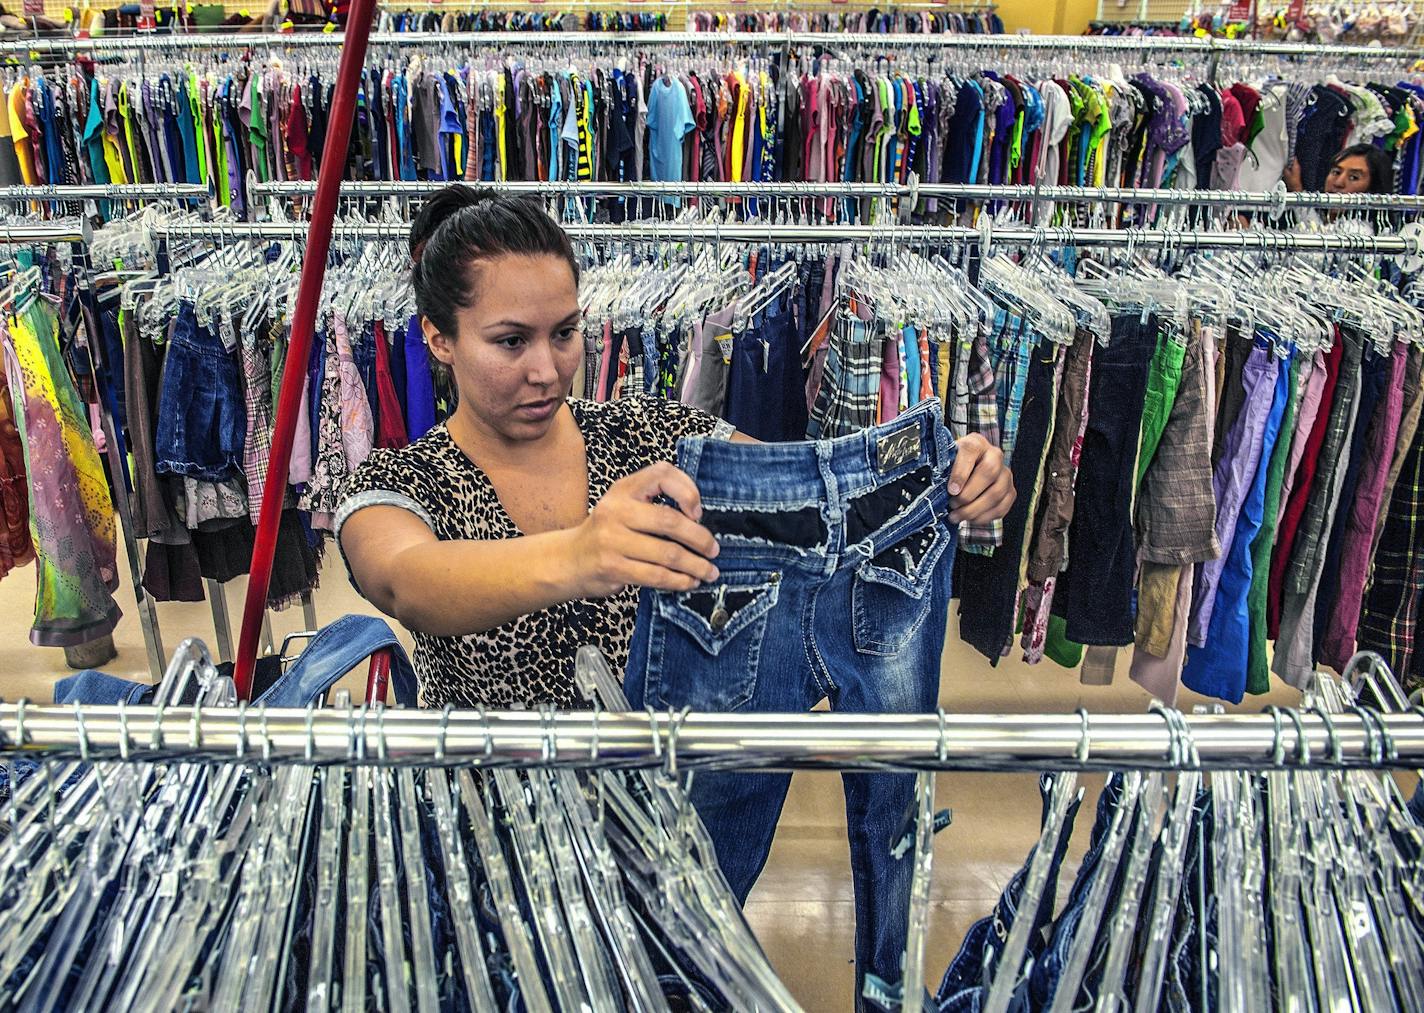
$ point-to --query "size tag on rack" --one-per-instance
(34, 6)
(147, 19)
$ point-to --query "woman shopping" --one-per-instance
(522, 527)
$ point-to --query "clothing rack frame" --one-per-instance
(1278, 200)
(77, 235)
(1410, 244)
(1281, 738)
(1084, 43)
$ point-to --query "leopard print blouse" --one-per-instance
(530, 661)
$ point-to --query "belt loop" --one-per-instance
(689, 454)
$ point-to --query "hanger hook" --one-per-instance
(157, 738)
(489, 733)
(123, 730)
(942, 745)
(20, 706)
(311, 734)
(1302, 743)
(266, 736)
(241, 747)
(81, 732)
(1174, 746)
(361, 738)
(1332, 740)
(442, 732)
(1278, 742)
(1373, 747)
(1085, 738)
(382, 750)
(195, 726)
(657, 739)
(548, 742)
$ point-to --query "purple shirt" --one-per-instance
(1357, 548)
(1234, 473)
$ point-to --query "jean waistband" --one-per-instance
(794, 475)
(189, 334)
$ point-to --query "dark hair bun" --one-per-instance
(438, 208)
(461, 226)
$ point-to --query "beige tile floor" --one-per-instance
(802, 908)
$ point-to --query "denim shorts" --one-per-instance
(202, 415)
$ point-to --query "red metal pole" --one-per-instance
(328, 188)
(378, 676)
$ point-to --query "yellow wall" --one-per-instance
(1048, 17)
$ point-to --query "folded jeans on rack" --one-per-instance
(836, 562)
(975, 965)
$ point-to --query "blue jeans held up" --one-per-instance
(836, 562)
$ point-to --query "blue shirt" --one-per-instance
(669, 120)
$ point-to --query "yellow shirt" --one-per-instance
(19, 134)
(739, 130)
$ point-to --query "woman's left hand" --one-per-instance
(981, 488)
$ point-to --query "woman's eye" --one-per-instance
(568, 334)
(513, 341)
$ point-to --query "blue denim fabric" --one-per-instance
(836, 562)
(1050, 965)
(202, 417)
(99, 688)
(338, 648)
(363, 350)
(766, 388)
(1095, 592)
(977, 962)
(1215, 668)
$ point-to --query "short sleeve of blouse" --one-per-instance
(670, 421)
(383, 479)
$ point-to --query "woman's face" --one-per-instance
(1349, 175)
(518, 346)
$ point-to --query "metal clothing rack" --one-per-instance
(78, 236)
(1281, 738)
(1411, 244)
(105, 191)
(1276, 200)
(298, 40)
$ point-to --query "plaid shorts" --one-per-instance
(850, 385)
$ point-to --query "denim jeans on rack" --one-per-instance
(766, 387)
(202, 416)
(1050, 965)
(1095, 592)
(836, 561)
(975, 965)
(338, 648)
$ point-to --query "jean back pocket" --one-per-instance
(892, 592)
(704, 646)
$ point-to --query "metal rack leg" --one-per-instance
(309, 611)
(222, 626)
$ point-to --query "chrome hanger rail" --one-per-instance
(1166, 239)
(1278, 200)
(105, 191)
(39, 232)
(1283, 738)
(1078, 43)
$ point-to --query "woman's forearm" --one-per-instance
(454, 588)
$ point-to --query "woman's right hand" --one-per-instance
(628, 539)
